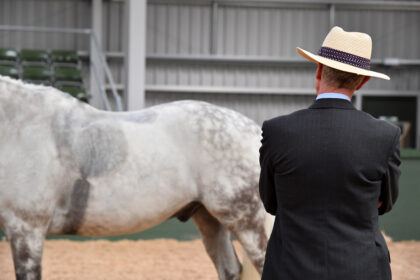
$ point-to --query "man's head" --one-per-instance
(341, 79)
(329, 79)
(343, 62)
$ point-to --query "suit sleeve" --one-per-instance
(389, 186)
(266, 184)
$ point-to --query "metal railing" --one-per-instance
(108, 73)
(103, 64)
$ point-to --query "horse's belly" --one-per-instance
(123, 217)
(131, 201)
(128, 216)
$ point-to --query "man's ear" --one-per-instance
(318, 72)
(366, 78)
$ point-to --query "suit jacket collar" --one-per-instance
(336, 103)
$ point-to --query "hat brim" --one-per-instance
(339, 65)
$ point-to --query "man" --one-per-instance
(327, 172)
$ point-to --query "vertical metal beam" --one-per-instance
(418, 123)
(135, 53)
(96, 71)
(359, 100)
(214, 27)
(332, 15)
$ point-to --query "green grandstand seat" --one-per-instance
(39, 82)
(9, 55)
(60, 56)
(39, 56)
(67, 74)
(76, 91)
(8, 63)
(9, 70)
(36, 73)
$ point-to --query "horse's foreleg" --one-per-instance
(218, 245)
(27, 245)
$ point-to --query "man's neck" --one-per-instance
(327, 89)
(334, 95)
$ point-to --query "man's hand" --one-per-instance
(379, 204)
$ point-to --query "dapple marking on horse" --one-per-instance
(68, 168)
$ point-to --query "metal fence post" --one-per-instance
(96, 100)
(135, 58)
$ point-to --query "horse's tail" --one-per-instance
(268, 224)
(248, 269)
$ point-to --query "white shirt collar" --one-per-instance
(333, 95)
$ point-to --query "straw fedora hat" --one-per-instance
(345, 51)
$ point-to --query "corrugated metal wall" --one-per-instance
(258, 107)
(229, 75)
(178, 29)
(271, 31)
(45, 13)
(59, 13)
(394, 33)
(194, 54)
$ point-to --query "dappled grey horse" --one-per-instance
(68, 168)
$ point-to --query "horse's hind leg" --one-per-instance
(254, 241)
(245, 218)
(27, 245)
(218, 245)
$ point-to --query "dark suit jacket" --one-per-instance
(323, 171)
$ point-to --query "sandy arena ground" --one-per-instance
(159, 259)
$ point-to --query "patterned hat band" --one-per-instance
(345, 57)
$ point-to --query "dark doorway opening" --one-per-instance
(401, 110)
